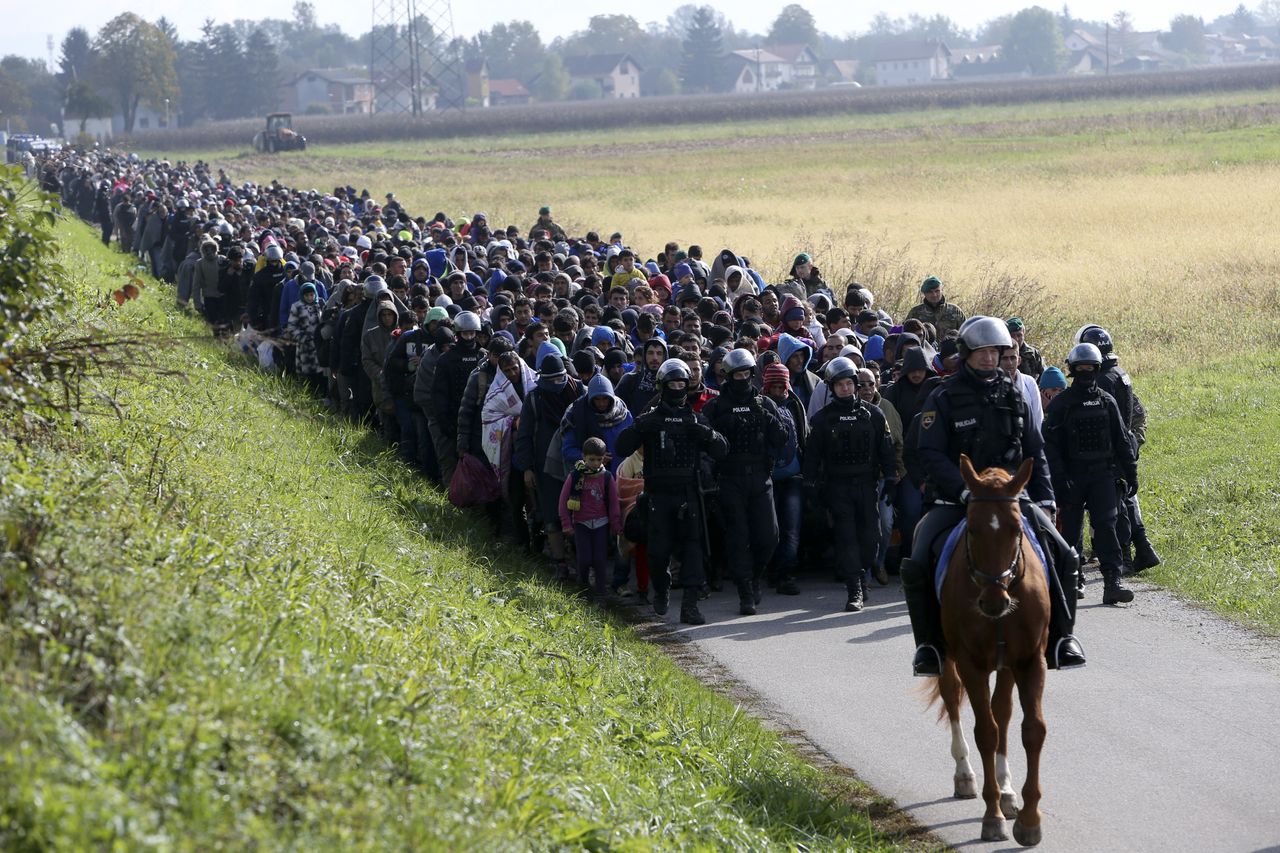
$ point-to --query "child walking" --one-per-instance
(589, 511)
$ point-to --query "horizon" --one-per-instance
(753, 16)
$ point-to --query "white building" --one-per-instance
(913, 63)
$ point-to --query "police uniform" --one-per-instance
(755, 432)
(850, 449)
(1088, 447)
(1130, 530)
(987, 421)
(674, 439)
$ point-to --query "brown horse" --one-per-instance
(995, 617)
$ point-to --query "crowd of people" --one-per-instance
(651, 423)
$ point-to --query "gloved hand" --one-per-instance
(1132, 489)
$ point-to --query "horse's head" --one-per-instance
(993, 541)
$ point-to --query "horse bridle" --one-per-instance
(1009, 576)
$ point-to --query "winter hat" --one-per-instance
(437, 314)
(874, 349)
(552, 367)
(583, 362)
(681, 271)
(599, 386)
(614, 358)
(777, 373)
(1052, 378)
(503, 334)
(307, 270)
(545, 350)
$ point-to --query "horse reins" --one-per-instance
(1005, 579)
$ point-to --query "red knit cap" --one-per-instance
(777, 373)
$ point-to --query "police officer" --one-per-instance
(1087, 445)
(674, 437)
(755, 432)
(979, 411)
(1113, 379)
(849, 450)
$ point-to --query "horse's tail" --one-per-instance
(936, 689)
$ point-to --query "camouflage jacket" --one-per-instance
(944, 316)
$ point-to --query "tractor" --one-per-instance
(279, 135)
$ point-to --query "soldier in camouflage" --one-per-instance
(935, 309)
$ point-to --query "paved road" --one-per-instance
(1169, 740)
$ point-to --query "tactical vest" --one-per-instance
(745, 434)
(1116, 382)
(851, 442)
(1088, 431)
(672, 454)
(986, 425)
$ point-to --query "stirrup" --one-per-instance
(1074, 656)
(927, 663)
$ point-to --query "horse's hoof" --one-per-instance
(1027, 836)
(1009, 804)
(993, 829)
(966, 787)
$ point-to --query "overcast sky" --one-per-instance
(25, 33)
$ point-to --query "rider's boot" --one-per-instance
(926, 620)
(1064, 651)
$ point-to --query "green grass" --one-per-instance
(234, 623)
(1209, 487)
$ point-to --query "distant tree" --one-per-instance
(1122, 23)
(304, 16)
(1035, 41)
(225, 73)
(607, 34)
(1243, 21)
(84, 103)
(1186, 35)
(794, 25)
(679, 21)
(513, 49)
(167, 28)
(262, 74)
(996, 30)
(1268, 12)
(585, 90)
(664, 82)
(702, 54)
(135, 63)
(552, 83)
(75, 56)
(14, 97)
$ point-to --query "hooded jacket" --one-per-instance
(582, 421)
(639, 386)
(906, 398)
(804, 382)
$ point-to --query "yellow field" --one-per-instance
(1163, 230)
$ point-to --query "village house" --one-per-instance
(912, 63)
(333, 90)
(617, 74)
(504, 91)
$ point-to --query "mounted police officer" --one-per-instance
(1087, 445)
(850, 449)
(674, 438)
(1113, 379)
(755, 432)
(979, 412)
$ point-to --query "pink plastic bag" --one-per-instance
(473, 483)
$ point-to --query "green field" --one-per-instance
(232, 622)
(1148, 216)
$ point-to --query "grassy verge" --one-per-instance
(1209, 487)
(232, 622)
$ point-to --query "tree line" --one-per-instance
(234, 70)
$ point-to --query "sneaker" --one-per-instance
(691, 615)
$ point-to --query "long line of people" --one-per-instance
(673, 423)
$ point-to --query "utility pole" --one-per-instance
(1108, 49)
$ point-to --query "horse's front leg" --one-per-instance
(966, 783)
(1002, 708)
(986, 736)
(1026, 829)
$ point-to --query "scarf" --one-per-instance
(502, 405)
(614, 416)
